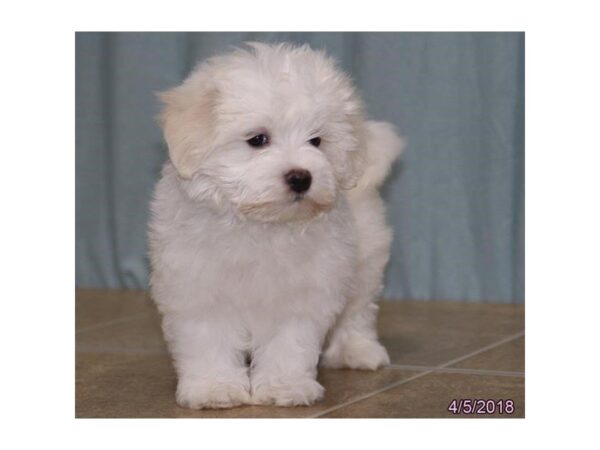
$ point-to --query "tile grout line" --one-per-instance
(370, 394)
(111, 322)
(505, 373)
(483, 349)
(419, 375)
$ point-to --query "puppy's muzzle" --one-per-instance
(298, 180)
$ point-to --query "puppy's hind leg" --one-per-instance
(353, 343)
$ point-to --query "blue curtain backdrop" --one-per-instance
(456, 202)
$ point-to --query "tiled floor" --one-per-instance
(440, 351)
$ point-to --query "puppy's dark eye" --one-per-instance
(260, 140)
(315, 141)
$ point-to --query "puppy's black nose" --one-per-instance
(298, 180)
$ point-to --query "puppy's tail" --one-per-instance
(384, 145)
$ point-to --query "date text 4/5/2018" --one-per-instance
(481, 406)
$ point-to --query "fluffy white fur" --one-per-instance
(255, 283)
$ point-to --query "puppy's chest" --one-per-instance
(267, 263)
(268, 254)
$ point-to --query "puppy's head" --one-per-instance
(273, 131)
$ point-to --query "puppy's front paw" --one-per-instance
(355, 353)
(203, 394)
(288, 392)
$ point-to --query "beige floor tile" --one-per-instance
(507, 357)
(123, 369)
(129, 385)
(97, 306)
(433, 333)
(430, 396)
(142, 334)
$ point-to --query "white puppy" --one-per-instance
(268, 238)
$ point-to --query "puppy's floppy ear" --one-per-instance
(354, 167)
(187, 120)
